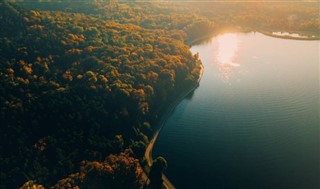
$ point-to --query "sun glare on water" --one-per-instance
(227, 49)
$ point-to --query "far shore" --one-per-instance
(246, 30)
(288, 36)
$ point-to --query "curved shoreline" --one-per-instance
(148, 153)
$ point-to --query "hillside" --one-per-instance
(78, 88)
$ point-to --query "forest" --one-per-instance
(83, 84)
(80, 92)
(261, 16)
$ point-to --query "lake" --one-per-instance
(254, 120)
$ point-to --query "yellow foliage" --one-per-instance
(63, 42)
(103, 79)
(36, 27)
(76, 37)
(21, 63)
(31, 185)
(79, 76)
(35, 13)
(74, 51)
(26, 19)
(91, 48)
(60, 89)
(24, 81)
(67, 75)
(10, 70)
(27, 69)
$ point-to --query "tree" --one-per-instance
(138, 148)
(158, 167)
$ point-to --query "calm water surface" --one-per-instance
(254, 120)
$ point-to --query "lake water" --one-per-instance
(254, 120)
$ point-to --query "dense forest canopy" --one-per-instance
(83, 84)
(79, 86)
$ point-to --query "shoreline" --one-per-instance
(148, 153)
(264, 32)
(288, 37)
(163, 118)
(208, 36)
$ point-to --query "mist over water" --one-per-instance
(254, 120)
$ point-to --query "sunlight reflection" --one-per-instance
(227, 48)
(228, 45)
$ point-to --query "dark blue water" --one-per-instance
(254, 120)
